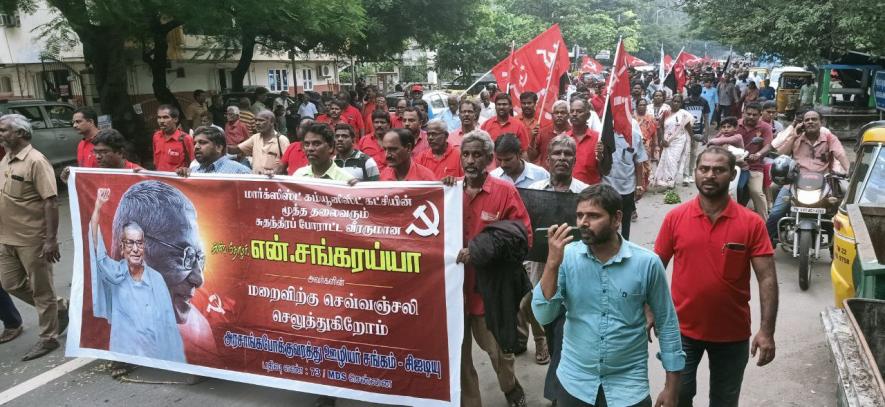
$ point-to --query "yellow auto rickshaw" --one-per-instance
(788, 87)
(866, 186)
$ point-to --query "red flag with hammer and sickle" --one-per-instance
(537, 67)
(590, 65)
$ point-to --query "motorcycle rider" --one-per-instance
(815, 149)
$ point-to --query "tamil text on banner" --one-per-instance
(304, 285)
(536, 67)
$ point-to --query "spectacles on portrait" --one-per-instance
(129, 243)
(190, 258)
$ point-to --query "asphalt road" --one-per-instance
(801, 374)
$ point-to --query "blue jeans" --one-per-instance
(8, 313)
(727, 363)
(779, 208)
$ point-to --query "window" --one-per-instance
(437, 102)
(60, 116)
(278, 80)
(307, 79)
(861, 170)
(874, 191)
(32, 113)
(5, 84)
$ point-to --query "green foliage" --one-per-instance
(488, 41)
(671, 197)
(795, 30)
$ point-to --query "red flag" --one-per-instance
(691, 59)
(590, 65)
(537, 67)
(619, 103)
(676, 79)
(633, 61)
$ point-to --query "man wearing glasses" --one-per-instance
(131, 295)
(172, 248)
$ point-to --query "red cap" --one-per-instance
(417, 88)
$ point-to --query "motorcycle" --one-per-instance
(808, 227)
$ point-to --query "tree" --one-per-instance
(794, 30)
(488, 40)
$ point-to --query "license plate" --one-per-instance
(808, 210)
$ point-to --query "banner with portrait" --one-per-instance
(307, 285)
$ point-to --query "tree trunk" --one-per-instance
(158, 58)
(106, 53)
(247, 42)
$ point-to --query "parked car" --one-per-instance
(436, 99)
(460, 84)
(52, 123)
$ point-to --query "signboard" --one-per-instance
(296, 284)
(879, 90)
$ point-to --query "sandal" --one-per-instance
(542, 355)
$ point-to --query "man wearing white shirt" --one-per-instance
(307, 110)
(561, 154)
(511, 166)
(487, 107)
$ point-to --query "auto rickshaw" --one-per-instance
(788, 87)
(866, 186)
(845, 97)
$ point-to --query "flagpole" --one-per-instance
(510, 70)
(611, 84)
(549, 78)
(460, 95)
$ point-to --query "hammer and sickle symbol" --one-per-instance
(431, 227)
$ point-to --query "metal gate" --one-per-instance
(60, 82)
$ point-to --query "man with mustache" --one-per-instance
(398, 145)
(209, 147)
(561, 161)
(589, 146)
(604, 281)
(319, 147)
(714, 241)
(537, 152)
(359, 165)
(486, 200)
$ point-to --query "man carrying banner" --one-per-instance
(604, 282)
(561, 161)
(131, 295)
(209, 147)
(319, 146)
(486, 200)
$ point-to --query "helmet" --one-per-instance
(784, 170)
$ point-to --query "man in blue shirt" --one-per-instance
(450, 115)
(131, 295)
(209, 148)
(711, 95)
(604, 282)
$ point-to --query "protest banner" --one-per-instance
(305, 285)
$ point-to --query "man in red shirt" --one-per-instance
(396, 121)
(84, 121)
(468, 112)
(412, 122)
(504, 122)
(757, 141)
(334, 114)
(398, 145)
(110, 150)
(486, 200)
(531, 119)
(442, 158)
(537, 152)
(589, 148)
(370, 144)
(350, 114)
(369, 106)
(235, 131)
(714, 241)
(173, 148)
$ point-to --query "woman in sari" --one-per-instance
(677, 130)
(649, 127)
